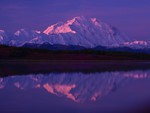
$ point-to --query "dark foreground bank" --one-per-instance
(12, 67)
(7, 52)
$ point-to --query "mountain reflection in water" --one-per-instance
(78, 87)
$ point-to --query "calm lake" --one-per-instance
(112, 91)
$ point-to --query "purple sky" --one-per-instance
(130, 16)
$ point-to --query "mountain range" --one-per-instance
(77, 33)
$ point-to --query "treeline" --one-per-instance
(7, 52)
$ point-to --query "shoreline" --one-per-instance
(59, 60)
(20, 67)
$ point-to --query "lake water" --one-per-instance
(76, 92)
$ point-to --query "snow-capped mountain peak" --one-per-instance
(26, 33)
(3, 37)
(23, 36)
(2, 31)
(137, 44)
(65, 27)
(78, 31)
(60, 28)
(87, 32)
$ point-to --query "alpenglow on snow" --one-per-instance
(79, 31)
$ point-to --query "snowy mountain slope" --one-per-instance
(137, 44)
(3, 37)
(23, 36)
(87, 32)
(19, 38)
(79, 31)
